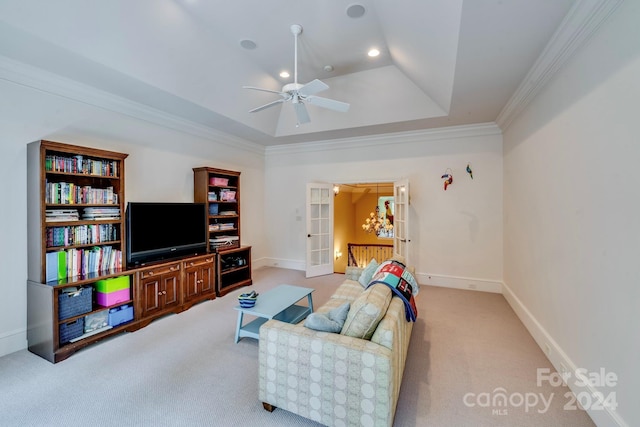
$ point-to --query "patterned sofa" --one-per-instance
(332, 378)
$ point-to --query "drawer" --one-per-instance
(198, 262)
(161, 269)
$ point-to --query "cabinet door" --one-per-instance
(151, 291)
(170, 289)
(191, 283)
(206, 279)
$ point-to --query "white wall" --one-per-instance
(572, 213)
(159, 168)
(456, 234)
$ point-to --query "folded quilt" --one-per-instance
(395, 275)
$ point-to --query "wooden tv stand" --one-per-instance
(157, 289)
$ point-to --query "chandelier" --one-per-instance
(375, 223)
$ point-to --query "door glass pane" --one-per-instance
(324, 195)
(314, 211)
(315, 195)
(315, 227)
(326, 256)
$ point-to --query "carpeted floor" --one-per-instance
(471, 362)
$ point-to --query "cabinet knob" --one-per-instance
(164, 292)
(160, 293)
(151, 273)
(209, 259)
(172, 268)
(191, 264)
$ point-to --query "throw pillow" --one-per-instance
(353, 273)
(331, 321)
(367, 273)
(367, 311)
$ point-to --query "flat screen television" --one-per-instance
(159, 231)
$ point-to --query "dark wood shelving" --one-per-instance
(226, 280)
(42, 309)
(155, 289)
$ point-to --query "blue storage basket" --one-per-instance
(71, 330)
(120, 315)
(248, 300)
(74, 304)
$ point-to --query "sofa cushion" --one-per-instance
(331, 321)
(367, 273)
(366, 312)
(349, 290)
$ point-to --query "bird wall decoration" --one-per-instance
(448, 180)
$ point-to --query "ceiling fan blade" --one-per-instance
(265, 90)
(331, 104)
(271, 104)
(312, 88)
(301, 113)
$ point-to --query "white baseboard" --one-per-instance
(468, 283)
(13, 341)
(601, 415)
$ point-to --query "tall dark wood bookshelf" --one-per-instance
(219, 189)
(75, 211)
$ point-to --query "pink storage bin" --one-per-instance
(228, 196)
(111, 298)
(218, 181)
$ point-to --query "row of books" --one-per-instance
(79, 164)
(101, 213)
(81, 234)
(60, 215)
(80, 262)
(223, 226)
(68, 193)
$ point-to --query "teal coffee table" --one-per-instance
(278, 303)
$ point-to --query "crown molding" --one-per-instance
(582, 21)
(44, 81)
(387, 139)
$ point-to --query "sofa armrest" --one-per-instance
(330, 378)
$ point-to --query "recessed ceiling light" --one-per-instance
(284, 74)
(328, 68)
(373, 53)
(248, 44)
(355, 11)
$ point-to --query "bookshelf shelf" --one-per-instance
(75, 174)
(85, 279)
(86, 245)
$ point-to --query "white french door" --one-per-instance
(319, 229)
(401, 238)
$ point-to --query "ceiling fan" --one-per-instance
(299, 94)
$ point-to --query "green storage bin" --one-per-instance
(113, 284)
